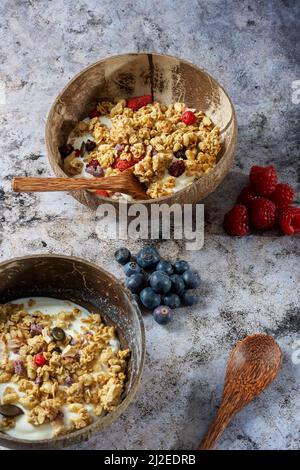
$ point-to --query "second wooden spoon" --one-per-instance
(252, 365)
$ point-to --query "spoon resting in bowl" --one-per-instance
(125, 182)
(252, 365)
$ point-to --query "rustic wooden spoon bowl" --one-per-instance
(252, 365)
(90, 286)
(168, 79)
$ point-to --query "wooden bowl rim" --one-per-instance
(233, 119)
(112, 416)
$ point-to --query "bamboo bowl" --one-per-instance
(88, 285)
(168, 79)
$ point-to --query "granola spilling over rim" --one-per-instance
(169, 146)
(49, 374)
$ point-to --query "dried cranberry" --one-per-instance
(95, 169)
(90, 145)
(65, 150)
(35, 329)
(19, 367)
(180, 153)
(94, 113)
(177, 168)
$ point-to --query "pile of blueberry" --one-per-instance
(158, 284)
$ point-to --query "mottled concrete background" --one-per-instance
(249, 285)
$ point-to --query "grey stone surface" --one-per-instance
(249, 285)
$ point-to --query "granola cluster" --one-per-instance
(150, 139)
(78, 373)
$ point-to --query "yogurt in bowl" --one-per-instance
(61, 367)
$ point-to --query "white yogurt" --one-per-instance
(49, 306)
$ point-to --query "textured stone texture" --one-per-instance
(249, 285)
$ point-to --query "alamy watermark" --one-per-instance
(151, 222)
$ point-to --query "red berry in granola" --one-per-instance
(289, 220)
(263, 213)
(123, 165)
(177, 168)
(102, 192)
(138, 102)
(77, 153)
(236, 221)
(94, 113)
(263, 180)
(188, 117)
(283, 195)
(246, 196)
(39, 360)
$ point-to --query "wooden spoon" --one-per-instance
(125, 183)
(252, 365)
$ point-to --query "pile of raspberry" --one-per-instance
(262, 205)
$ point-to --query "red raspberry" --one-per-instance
(39, 360)
(94, 113)
(283, 195)
(123, 165)
(236, 221)
(188, 117)
(177, 168)
(289, 220)
(102, 192)
(138, 102)
(263, 180)
(246, 196)
(263, 213)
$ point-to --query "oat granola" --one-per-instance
(153, 138)
(81, 374)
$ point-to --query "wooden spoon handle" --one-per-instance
(223, 417)
(24, 184)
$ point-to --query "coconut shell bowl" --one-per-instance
(90, 286)
(169, 80)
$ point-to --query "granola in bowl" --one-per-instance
(169, 147)
(61, 367)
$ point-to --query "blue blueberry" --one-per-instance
(163, 314)
(147, 257)
(160, 282)
(188, 298)
(131, 268)
(171, 300)
(181, 266)
(178, 285)
(191, 278)
(136, 282)
(122, 256)
(149, 298)
(165, 266)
